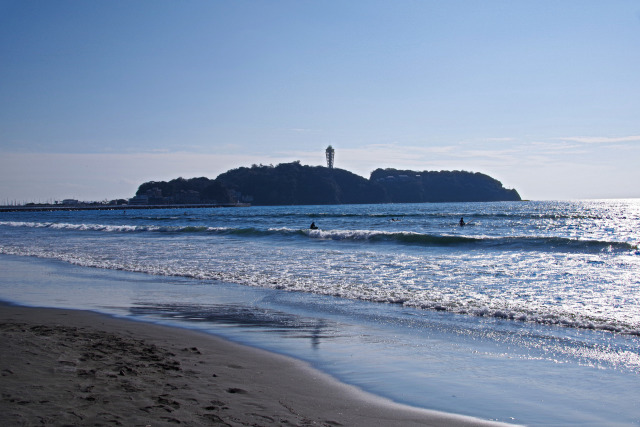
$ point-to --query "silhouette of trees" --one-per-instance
(296, 184)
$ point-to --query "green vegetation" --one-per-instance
(295, 184)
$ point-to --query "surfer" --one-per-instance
(462, 223)
(313, 226)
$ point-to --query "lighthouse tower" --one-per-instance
(330, 153)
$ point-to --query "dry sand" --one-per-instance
(62, 367)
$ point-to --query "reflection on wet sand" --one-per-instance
(287, 325)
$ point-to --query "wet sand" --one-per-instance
(63, 367)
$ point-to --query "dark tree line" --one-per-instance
(295, 184)
(404, 186)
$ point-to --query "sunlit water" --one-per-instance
(525, 314)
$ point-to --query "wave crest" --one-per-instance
(536, 243)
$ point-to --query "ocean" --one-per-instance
(530, 313)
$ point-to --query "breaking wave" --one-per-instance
(537, 243)
(420, 299)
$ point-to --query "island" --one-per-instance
(297, 184)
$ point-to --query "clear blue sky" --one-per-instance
(99, 96)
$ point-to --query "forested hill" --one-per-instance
(295, 184)
(405, 186)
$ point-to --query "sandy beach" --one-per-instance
(62, 367)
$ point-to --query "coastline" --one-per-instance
(78, 368)
(102, 207)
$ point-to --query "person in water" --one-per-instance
(462, 223)
(313, 226)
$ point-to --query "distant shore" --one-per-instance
(90, 207)
(79, 368)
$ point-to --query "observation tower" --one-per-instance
(330, 153)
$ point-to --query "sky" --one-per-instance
(97, 97)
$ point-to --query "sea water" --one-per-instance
(529, 313)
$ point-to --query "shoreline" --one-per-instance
(95, 207)
(78, 368)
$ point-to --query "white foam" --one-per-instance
(333, 285)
